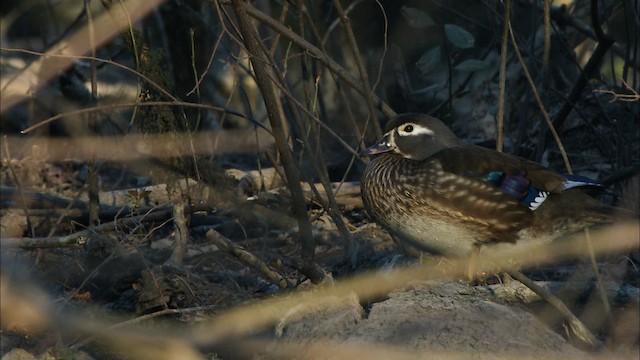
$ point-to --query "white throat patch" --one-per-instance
(392, 139)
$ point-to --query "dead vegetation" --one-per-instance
(180, 179)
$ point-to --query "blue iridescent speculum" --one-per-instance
(519, 187)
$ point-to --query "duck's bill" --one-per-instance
(382, 146)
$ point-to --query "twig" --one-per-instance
(338, 70)
(40, 72)
(276, 117)
(385, 46)
(561, 16)
(79, 238)
(38, 200)
(194, 68)
(503, 74)
(92, 181)
(181, 230)
(248, 258)
(544, 113)
(516, 292)
(341, 89)
(147, 148)
(148, 103)
(346, 193)
(590, 68)
(547, 35)
(145, 317)
(23, 200)
(578, 328)
(335, 22)
(620, 175)
(320, 167)
(368, 93)
(633, 97)
(596, 271)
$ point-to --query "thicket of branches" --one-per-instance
(174, 93)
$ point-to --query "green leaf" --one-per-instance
(459, 37)
(429, 60)
(462, 94)
(471, 65)
(428, 89)
(416, 17)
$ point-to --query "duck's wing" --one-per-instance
(529, 183)
(479, 162)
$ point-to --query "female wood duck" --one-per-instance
(436, 195)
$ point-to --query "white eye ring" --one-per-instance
(412, 129)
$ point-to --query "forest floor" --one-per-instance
(127, 273)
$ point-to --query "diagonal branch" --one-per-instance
(272, 102)
(333, 66)
(591, 67)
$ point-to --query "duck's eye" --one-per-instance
(411, 129)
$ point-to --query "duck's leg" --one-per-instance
(473, 262)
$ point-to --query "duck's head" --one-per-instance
(414, 136)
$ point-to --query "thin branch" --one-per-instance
(80, 238)
(385, 46)
(503, 73)
(596, 271)
(90, 58)
(577, 326)
(368, 93)
(277, 119)
(335, 22)
(23, 200)
(316, 159)
(561, 16)
(341, 72)
(148, 103)
(39, 72)
(633, 97)
(547, 35)
(92, 180)
(544, 113)
(591, 67)
(248, 258)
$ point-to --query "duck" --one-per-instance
(436, 195)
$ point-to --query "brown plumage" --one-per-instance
(434, 194)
